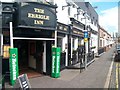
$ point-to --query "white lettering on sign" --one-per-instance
(25, 85)
(53, 64)
(58, 58)
(14, 68)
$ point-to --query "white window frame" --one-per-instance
(62, 42)
(1, 45)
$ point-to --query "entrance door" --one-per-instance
(32, 51)
(36, 49)
(39, 56)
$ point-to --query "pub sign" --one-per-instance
(36, 15)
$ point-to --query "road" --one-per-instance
(115, 76)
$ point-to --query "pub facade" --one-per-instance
(37, 27)
(34, 25)
(62, 42)
(76, 42)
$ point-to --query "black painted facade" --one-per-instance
(62, 32)
(30, 20)
(76, 31)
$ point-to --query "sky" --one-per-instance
(107, 11)
(108, 14)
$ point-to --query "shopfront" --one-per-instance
(77, 46)
(76, 43)
(34, 26)
(62, 41)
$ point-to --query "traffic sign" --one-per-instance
(85, 34)
(85, 39)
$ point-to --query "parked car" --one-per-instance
(117, 53)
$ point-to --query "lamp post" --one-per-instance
(85, 40)
(85, 55)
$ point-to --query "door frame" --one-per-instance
(44, 54)
(1, 46)
(44, 43)
(30, 54)
(44, 57)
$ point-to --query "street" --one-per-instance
(59, 44)
(95, 76)
(115, 76)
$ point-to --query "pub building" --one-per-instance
(62, 41)
(76, 42)
(34, 26)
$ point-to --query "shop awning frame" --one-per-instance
(25, 38)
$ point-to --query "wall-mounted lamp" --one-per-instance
(78, 12)
(63, 7)
(69, 4)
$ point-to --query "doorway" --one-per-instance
(30, 59)
(35, 54)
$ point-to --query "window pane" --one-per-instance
(59, 42)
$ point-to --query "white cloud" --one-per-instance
(108, 19)
(93, 0)
(102, 0)
(6, 0)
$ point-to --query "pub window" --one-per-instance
(96, 23)
(73, 44)
(6, 51)
(100, 43)
(1, 43)
(69, 11)
(91, 21)
(91, 41)
(59, 42)
(79, 42)
(6, 40)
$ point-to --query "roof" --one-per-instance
(86, 6)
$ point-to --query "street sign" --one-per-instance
(13, 65)
(85, 34)
(85, 39)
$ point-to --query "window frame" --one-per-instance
(1, 45)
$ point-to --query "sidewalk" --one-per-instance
(93, 77)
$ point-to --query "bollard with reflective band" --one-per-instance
(13, 63)
(57, 63)
(53, 61)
